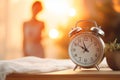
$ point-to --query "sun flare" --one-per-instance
(53, 33)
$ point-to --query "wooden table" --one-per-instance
(92, 74)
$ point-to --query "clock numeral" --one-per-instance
(75, 55)
(95, 44)
(96, 55)
(85, 38)
(75, 43)
(73, 49)
(80, 58)
(79, 39)
(97, 49)
(91, 39)
(91, 58)
(85, 60)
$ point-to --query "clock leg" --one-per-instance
(97, 67)
(75, 67)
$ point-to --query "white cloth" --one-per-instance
(35, 65)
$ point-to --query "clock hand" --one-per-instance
(84, 45)
(81, 46)
(85, 49)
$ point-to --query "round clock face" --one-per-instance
(86, 49)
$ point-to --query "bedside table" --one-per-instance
(91, 74)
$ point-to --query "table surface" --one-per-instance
(83, 74)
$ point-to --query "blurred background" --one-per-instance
(59, 17)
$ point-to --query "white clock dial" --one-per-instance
(86, 49)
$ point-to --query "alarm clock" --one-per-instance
(86, 47)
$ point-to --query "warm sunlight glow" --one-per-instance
(72, 12)
(56, 12)
(57, 6)
(116, 5)
(53, 33)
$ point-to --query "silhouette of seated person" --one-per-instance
(32, 31)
